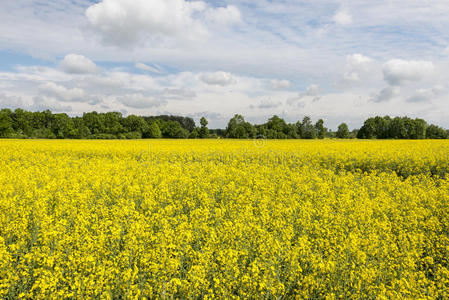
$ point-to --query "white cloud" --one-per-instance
(179, 94)
(218, 78)
(446, 51)
(102, 82)
(11, 101)
(140, 101)
(349, 77)
(280, 84)
(223, 15)
(77, 64)
(268, 104)
(124, 23)
(399, 72)
(145, 67)
(41, 103)
(358, 61)
(422, 95)
(61, 92)
(312, 90)
(342, 18)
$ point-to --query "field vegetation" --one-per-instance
(224, 218)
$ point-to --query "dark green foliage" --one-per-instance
(204, 131)
(154, 132)
(195, 134)
(306, 130)
(185, 122)
(112, 125)
(219, 133)
(435, 132)
(6, 129)
(399, 128)
(320, 129)
(174, 130)
(239, 129)
(62, 126)
(343, 131)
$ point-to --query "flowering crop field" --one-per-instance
(224, 219)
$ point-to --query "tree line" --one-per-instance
(400, 128)
(113, 125)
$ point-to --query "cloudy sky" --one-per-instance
(332, 59)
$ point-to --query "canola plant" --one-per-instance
(224, 219)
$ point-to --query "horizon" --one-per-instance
(330, 60)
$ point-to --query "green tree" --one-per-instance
(397, 129)
(368, 130)
(204, 131)
(239, 129)
(63, 126)
(6, 129)
(343, 131)
(306, 130)
(112, 123)
(381, 127)
(195, 133)
(172, 129)
(134, 123)
(320, 129)
(22, 122)
(81, 130)
(94, 122)
(420, 127)
(277, 128)
(154, 132)
(436, 132)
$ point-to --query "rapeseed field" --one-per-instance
(224, 219)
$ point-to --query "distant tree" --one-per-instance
(6, 129)
(381, 127)
(94, 121)
(172, 129)
(276, 128)
(112, 123)
(204, 131)
(343, 131)
(353, 134)
(420, 127)
(81, 130)
(291, 131)
(63, 126)
(153, 132)
(368, 130)
(185, 122)
(320, 129)
(195, 134)
(41, 123)
(220, 133)
(239, 129)
(306, 130)
(436, 132)
(133, 123)
(398, 129)
(22, 122)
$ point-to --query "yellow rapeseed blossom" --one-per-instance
(227, 219)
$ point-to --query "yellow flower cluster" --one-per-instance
(224, 219)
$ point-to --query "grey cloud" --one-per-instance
(140, 101)
(386, 94)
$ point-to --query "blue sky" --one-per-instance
(337, 60)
